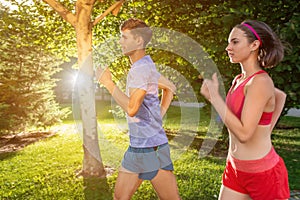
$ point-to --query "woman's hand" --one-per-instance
(210, 88)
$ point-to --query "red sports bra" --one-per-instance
(235, 100)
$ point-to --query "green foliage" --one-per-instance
(26, 69)
(31, 32)
(57, 36)
(209, 24)
(287, 74)
(206, 22)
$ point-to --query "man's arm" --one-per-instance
(168, 90)
(130, 104)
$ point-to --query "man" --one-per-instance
(148, 155)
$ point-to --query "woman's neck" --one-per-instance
(249, 68)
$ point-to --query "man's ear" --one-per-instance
(140, 41)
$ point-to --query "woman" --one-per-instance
(253, 105)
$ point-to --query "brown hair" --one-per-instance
(138, 27)
(271, 51)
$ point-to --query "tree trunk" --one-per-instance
(92, 161)
(85, 88)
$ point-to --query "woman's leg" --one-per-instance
(229, 194)
(126, 185)
(165, 185)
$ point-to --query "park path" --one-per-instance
(293, 112)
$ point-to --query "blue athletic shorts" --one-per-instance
(147, 161)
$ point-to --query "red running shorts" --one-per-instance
(262, 179)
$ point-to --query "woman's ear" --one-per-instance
(255, 45)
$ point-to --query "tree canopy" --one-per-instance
(209, 24)
(26, 68)
(34, 37)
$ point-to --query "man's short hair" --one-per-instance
(138, 27)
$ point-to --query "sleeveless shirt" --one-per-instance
(236, 97)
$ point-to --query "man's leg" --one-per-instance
(126, 185)
(165, 185)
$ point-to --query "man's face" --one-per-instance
(129, 42)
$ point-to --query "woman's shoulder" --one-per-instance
(262, 78)
(261, 81)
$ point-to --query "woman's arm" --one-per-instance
(255, 99)
(280, 98)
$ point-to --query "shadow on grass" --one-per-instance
(97, 189)
(7, 155)
(10, 145)
(217, 147)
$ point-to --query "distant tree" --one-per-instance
(26, 70)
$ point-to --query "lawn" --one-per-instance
(47, 169)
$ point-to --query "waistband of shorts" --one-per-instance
(145, 149)
(255, 166)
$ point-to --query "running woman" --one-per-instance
(253, 105)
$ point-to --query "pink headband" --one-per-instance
(254, 32)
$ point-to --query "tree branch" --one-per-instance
(62, 11)
(115, 6)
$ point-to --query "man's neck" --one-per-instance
(138, 54)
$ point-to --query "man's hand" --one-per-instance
(103, 76)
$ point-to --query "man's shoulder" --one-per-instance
(145, 65)
(146, 60)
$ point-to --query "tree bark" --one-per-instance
(92, 161)
(81, 21)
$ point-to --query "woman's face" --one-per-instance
(238, 47)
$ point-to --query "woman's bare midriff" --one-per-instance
(257, 147)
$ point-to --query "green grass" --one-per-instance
(287, 145)
(44, 170)
(289, 122)
(47, 169)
